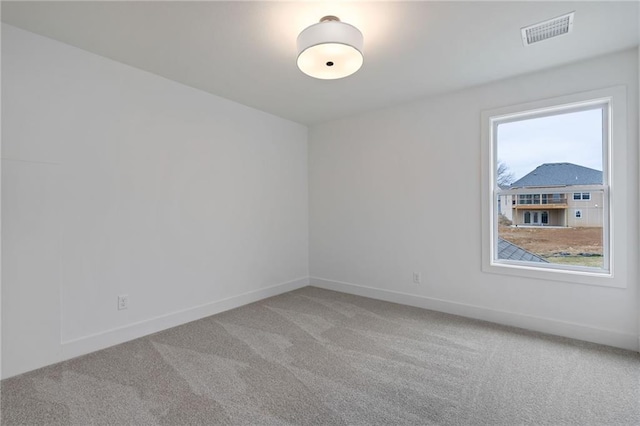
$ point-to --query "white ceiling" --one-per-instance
(246, 51)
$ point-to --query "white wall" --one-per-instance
(398, 190)
(117, 181)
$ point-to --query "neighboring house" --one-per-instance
(551, 201)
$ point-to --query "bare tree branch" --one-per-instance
(505, 177)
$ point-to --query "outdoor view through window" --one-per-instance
(552, 200)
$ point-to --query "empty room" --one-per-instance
(320, 213)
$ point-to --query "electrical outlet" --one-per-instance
(123, 302)
(417, 277)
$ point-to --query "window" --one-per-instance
(525, 199)
(570, 152)
(582, 196)
(544, 217)
(558, 153)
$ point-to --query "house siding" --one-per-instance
(591, 211)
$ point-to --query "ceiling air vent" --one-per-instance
(548, 29)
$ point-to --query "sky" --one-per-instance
(574, 137)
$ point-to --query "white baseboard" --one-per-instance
(545, 325)
(105, 339)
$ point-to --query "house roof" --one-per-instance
(559, 174)
(510, 251)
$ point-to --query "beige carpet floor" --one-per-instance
(314, 356)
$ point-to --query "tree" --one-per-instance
(505, 177)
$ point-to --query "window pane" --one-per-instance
(544, 154)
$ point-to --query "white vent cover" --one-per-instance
(548, 29)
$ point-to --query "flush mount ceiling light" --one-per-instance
(330, 49)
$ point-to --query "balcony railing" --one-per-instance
(539, 199)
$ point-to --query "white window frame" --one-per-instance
(614, 274)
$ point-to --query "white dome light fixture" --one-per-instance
(330, 49)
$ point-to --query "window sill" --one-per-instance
(596, 278)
